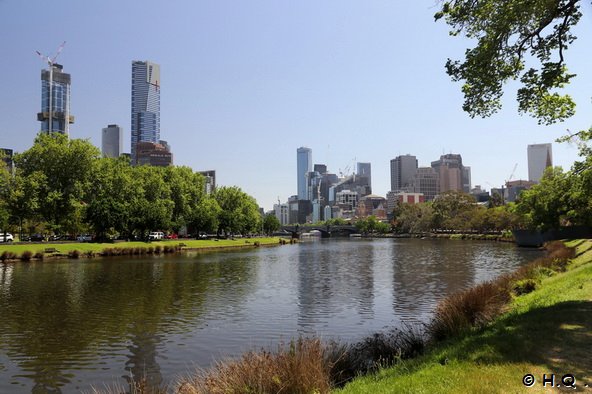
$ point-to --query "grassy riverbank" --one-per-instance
(90, 249)
(547, 331)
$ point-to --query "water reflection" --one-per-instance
(68, 324)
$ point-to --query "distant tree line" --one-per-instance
(64, 186)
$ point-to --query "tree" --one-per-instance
(506, 33)
(204, 216)
(67, 166)
(413, 218)
(270, 223)
(239, 211)
(452, 210)
(550, 204)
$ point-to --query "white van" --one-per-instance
(8, 236)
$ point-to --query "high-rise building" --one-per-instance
(153, 154)
(112, 141)
(403, 168)
(540, 156)
(55, 100)
(145, 115)
(210, 180)
(365, 170)
(303, 168)
(452, 173)
(425, 181)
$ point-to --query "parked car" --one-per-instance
(6, 236)
(171, 236)
(84, 238)
(155, 236)
(34, 238)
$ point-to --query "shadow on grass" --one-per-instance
(557, 336)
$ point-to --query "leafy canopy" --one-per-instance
(508, 33)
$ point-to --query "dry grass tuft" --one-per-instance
(469, 308)
(296, 368)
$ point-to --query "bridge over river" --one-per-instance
(326, 231)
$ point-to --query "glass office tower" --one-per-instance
(59, 115)
(145, 125)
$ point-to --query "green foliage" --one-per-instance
(62, 170)
(414, 218)
(270, 223)
(507, 34)
(64, 186)
(239, 211)
(453, 210)
(552, 202)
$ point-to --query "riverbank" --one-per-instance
(42, 251)
(487, 338)
(547, 331)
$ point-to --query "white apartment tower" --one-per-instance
(112, 141)
(540, 156)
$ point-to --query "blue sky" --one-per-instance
(245, 83)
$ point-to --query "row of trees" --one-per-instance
(62, 185)
(455, 211)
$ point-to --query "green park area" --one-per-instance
(91, 249)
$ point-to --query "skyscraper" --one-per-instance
(365, 170)
(452, 173)
(112, 141)
(304, 166)
(540, 156)
(145, 125)
(58, 100)
(403, 168)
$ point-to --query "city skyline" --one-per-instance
(247, 84)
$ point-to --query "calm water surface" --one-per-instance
(66, 326)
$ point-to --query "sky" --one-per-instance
(245, 83)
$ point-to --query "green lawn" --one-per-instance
(64, 248)
(544, 332)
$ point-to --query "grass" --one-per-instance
(89, 249)
(548, 330)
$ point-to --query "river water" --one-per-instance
(70, 325)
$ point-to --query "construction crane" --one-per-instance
(508, 180)
(512, 174)
(51, 63)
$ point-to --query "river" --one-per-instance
(70, 325)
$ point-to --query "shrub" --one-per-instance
(89, 253)
(524, 286)
(257, 244)
(74, 254)
(150, 250)
(379, 350)
(26, 255)
(157, 249)
(297, 368)
(469, 308)
(107, 252)
(39, 255)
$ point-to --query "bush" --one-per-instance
(524, 286)
(378, 350)
(39, 255)
(297, 368)
(74, 254)
(89, 253)
(470, 308)
(26, 255)
(157, 249)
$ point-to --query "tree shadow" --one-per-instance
(558, 336)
